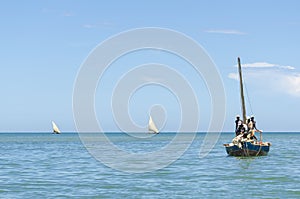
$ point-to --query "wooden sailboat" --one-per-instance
(241, 145)
(55, 128)
(152, 127)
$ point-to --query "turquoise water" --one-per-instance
(42, 165)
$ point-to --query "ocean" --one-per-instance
(45, 165)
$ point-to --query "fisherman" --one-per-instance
(253, 122)
(249, 123)
(246, 131)
(252, 127)
(237, 121)
(240, 129)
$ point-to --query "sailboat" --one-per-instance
(152, 127)
(55, 128)
(241, 146)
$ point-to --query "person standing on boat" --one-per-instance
(245, 131)
(249, 125)
(254, 124)
(252, 127)
(237, 122)
(238, 125)
(242, 130)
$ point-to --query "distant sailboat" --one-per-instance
(55, 128)
(152, 127)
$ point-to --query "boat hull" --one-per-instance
(248, 149)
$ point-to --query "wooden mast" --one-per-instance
(242, 92)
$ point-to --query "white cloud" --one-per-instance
(291, 84)
(233, 76)
(267, 77)
(99, 25)
(266, 65)
(230, 32)
(258, 65)
(288, 67)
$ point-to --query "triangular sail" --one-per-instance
(151, 126)
(55, 128)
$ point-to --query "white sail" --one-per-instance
(55, 128)
(151, 126)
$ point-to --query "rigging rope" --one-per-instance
(248, 98)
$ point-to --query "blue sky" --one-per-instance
(44, 43)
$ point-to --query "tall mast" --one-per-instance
(242, 91)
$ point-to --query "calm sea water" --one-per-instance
(42, 165)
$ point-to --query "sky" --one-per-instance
(45, 43)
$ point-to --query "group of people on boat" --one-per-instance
(246, 129)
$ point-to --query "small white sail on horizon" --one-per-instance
(55, 128)
(152, 127)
